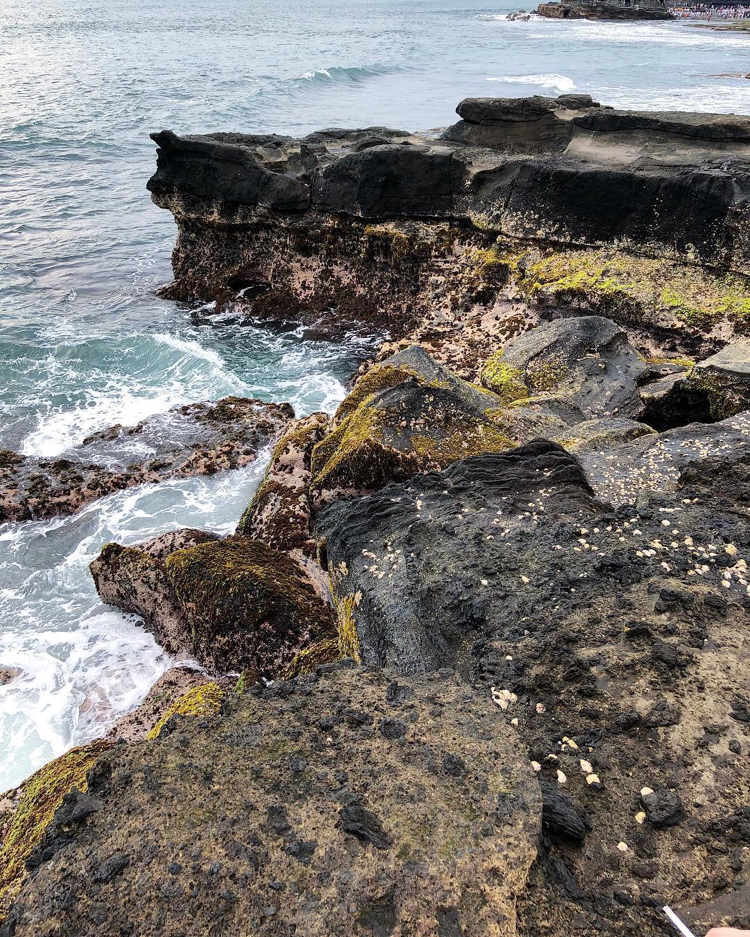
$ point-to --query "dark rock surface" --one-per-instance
(656, 462)
(563, 169)
(196, 439)
(608, 637)
(231, 604)
(325, 824)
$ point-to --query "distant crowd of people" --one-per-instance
(709, 11)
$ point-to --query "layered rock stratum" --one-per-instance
(475, 660)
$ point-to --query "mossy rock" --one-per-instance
(398, 432)
(325, 651)
(38, 800)
(204, 700)
(405, 415)
(246, 603)
(724, 380)
(586, 362)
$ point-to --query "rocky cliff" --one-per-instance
(475, 658)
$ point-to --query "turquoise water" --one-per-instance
(85, 343)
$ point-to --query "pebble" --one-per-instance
(623, 847)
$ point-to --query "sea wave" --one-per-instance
(344, 73)
(559, 83)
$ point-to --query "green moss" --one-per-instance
(507, 382)
(379, 377)
(232, 587)
(494, 265)
(41, 795)
(462, 442)
(545, 377)
(204, 700)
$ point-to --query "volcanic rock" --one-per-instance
(586, 362)
(324, 827)
(608, 638)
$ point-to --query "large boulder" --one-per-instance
(611, 639)
(232, 604)
(343, 803)
(655, 462)
(195, 439)
(586, 362)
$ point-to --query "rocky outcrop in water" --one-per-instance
(197, 439)
(524, 207)
(232, 604)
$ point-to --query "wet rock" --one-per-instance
(231, 603)
(9, 673)
(411, 847)
(197, 439)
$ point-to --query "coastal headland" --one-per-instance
(475, 659)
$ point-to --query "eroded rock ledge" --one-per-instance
(541, 202)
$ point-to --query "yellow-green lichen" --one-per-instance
(348, 640)
(507, 382)
(665, 359)
(40, 797)
(625, 286)
(395, 241)
(204, 700)
(494, 265)
(460, 442)
(379, 377)
(325, 651)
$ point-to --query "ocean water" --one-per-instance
(84, 341)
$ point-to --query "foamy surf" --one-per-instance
(83, 664)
